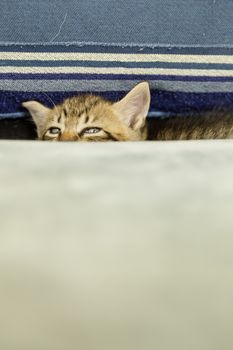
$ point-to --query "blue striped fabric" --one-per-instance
(181, 78)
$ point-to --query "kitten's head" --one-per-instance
(91, 118)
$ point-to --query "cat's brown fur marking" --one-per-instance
(92, 118)
(210, 125)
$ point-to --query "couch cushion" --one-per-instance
(51, 50)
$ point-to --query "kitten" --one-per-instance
(92, 118)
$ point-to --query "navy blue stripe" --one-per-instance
(84, 76)
(13, 115)
(144, 49)
(110, 64)
(176, 102)
(152, 114)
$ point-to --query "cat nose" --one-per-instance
(68, 136)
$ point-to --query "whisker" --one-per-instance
(50, 101)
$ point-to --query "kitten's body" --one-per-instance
(210, 125)
(91, 118)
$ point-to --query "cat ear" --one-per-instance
(37, 111)
(133, 108)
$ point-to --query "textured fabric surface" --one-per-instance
(171, 22)
(51, 50)
(180, 79)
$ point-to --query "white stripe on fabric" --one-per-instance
(111, 57)
(119, 70)
(110, 85)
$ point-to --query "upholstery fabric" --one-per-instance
(51, 50)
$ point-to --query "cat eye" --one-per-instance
(54, 131)
(91, 130)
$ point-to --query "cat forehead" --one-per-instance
(82, 109)
(82, 104)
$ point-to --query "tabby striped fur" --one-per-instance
(92, 118)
